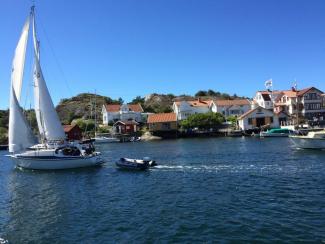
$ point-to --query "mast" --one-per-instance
(95, 115)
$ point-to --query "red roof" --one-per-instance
(197, 103)
(117, 107)
(160, 118)
(232, 102)
(68, 128)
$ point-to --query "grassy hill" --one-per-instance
(83, 106)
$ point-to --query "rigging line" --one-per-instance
(56, 59)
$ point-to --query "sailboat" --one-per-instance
(53, 151)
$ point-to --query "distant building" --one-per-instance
(72, 132)
(162, 122)
(230, 107)
(184, 109)
(126, 127)
(261, 117)
(114, 112)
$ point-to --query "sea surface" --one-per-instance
(204, 190)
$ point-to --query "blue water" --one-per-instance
(204, 190)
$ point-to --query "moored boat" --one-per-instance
(276, 133)
(105, 139)
(313, 140)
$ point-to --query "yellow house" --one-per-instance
(162, 122)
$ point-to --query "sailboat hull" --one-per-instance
(55, 163)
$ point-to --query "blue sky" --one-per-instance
(125, 48)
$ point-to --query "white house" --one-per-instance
(259, 117)
(183, 109)
(265, 99)
(126, 112)
(231, 107)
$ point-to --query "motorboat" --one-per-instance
(313, 140)
(53, 151)
(105, 139)
(135, 164)
(276, 133)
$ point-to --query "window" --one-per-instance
(311, 96)
(271, 120)
(250, 121)
(312, 106)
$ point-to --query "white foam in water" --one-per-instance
(3, 241)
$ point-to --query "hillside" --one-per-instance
(83, 106)
(161, 103)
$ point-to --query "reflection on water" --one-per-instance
(230, 189)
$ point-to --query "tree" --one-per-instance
(203, 121)
(138, 99)
(211, 92)
(3, 135)
(201, 94)
(120, 101)
(85, 125)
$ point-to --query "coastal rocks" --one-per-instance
(147, 136)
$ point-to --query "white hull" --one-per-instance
(102, 140)
(53, 163)
(308, 143)
(265, 134)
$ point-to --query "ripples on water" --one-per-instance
(218, 189)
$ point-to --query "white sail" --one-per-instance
(20, 135)
(48, 120)
(18, 62)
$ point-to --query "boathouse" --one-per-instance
(163, 124)
(126, 127)
(260, 117)
(72, 132)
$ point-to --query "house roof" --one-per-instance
(250, 111)
(238, 102)
(160, 118)
(197, 103)
(68, 128)
(117, 107)
(303, 91)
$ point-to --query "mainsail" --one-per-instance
(20, 135)
(19, 60)
(48, 120)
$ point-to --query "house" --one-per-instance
(306, 103)
(310, 102)
(260, 117)
(162, 122)
(115, 112)
(230, 107)
(72, 132)
(126, 127)
(184, 109)
(265, 99)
